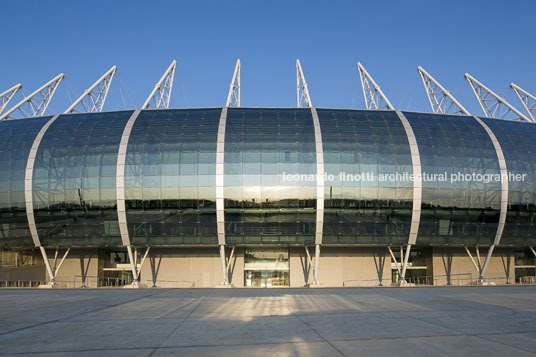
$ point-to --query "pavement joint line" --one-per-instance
(315, 331)
(201, 299)
(78, 314)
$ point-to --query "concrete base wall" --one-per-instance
(338, 267)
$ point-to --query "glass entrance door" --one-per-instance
(266, 268)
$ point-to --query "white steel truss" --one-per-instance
(37, 102)
(6, 96)
(94, 97)
(528, 100)
(304, 99)
(374, 96)
(492, 104)
(233, 98)
(441, 100)
(161, 93)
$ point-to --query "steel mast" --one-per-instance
(6, 96)
(528, 100)
(440, 99)
(304, 99)
(233, 98)
(94, 96)
(491, 103)
(161, 94)
(37, 101)
(372, 92)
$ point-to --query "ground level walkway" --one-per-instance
(243, 322)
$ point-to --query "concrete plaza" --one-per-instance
(472, 321)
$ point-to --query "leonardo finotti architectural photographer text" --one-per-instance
(406, 177)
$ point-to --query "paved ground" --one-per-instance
(328, 322)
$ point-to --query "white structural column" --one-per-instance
(120, 191)
(319, 192)
(220, 174)
(417, 191)
(28, 194)
(504, 195)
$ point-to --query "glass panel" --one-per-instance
(170, 182)
(262, 147)
(16, 139)
(519, 148)
(462, 209)
(74, 180)
(359, 146)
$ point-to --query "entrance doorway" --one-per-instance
(266, 268)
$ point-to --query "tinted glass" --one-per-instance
(170, 182)
(262, 146)
(16, 139)
(519, 148)
(461, 211)
(74, 180)
(362, 209)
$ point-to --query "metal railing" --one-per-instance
(21, 283)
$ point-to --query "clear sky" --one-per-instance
(492, 40)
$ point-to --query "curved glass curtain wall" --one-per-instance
(519, 148)
(261, 206)
(170, 182)
(366, 211)
(16, 139)
(74, 180)
(462, 212)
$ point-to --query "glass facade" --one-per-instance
(519, 149)
(270, 178)
(170, 177)
(459, 212)
(263, 147)
(16, 139)
(74, 180)
(363, 209)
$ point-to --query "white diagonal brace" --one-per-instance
(528, 100)
(374, 96)
(93, 98)
(491, 103)
(5, 97)
(440, 99)
(161, 94)
(233, 98)
(304, 99)
(37, 102)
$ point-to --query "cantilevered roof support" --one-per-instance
(37, 102)
(441, 101)
(304, 99)
(161, 93)
(233, 99)
(492, 105)
(6, 96)
(528, 100)
(374, 97)
(94, 97)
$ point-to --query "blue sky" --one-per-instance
(493, 41)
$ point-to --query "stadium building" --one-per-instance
(267, 197)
